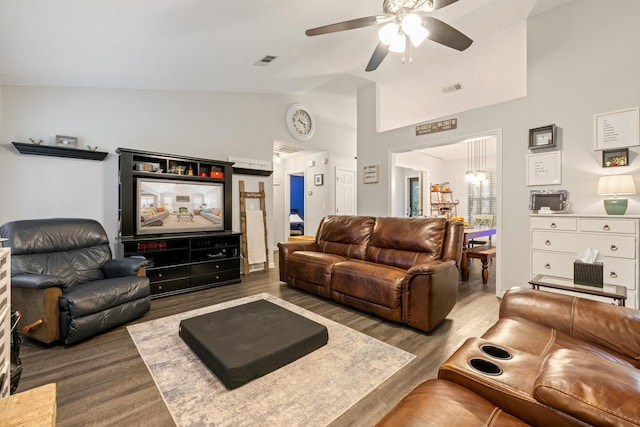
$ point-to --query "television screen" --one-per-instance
(170, 206)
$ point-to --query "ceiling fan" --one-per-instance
(406, 20)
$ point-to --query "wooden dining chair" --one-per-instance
(481, 220)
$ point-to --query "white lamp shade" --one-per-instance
(398, 44)
(411, 22)
(388, 33)
(616, 185)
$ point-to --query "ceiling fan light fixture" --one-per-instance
(399, 43)
(427, 6)
(411, 22)
(418, 36)
(388, 33)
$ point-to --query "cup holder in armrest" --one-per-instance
(494, 351)
(485, 366)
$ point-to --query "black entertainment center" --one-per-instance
(176, 212)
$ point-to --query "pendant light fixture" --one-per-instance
(476, 162)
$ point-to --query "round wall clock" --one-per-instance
(300, 122)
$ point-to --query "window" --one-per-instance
(482, 197)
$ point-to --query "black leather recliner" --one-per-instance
(65, 282)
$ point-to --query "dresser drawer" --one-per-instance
(601, 225)
(552, 264)
(616, 271)
(614, 246)
(554, 223)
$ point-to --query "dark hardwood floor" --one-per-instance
(104, 382)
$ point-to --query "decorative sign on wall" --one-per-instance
(618, 129)
(544, 169)
(370, 174)
(438, 126)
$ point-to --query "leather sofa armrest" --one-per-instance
(37, 281)
(429, 293)
(287, 248)
(607, 325)
(595, 390)
(123, 267)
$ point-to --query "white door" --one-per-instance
(345, 192)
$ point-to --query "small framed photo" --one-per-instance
(542, 137)
(614, 158)
(66, 141)
(318, 179)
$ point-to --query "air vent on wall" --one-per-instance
(452, 88)
(268, 59)
(284, 149)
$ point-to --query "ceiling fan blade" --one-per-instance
(346, 25)
(439, 4)
(445, 34)
(379, 54)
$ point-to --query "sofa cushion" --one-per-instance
(443, 403)
(599, 392)
(405, 242)
(347, 236)
(312, 271)
(362, 283)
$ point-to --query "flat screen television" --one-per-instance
(175, 206)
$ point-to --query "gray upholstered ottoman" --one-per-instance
(247, 341)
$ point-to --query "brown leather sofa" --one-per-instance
(401, 269)
(550, 360)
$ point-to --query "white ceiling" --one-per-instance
(205, 45)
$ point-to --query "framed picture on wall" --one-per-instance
(615, 158)
(617, 129)
(542, 137)
(544, 169)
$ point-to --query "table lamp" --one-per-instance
(616, 185)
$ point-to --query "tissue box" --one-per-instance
(588, 274)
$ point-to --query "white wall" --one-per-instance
(199, 124)
(580, 63)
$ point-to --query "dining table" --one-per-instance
(471, 233)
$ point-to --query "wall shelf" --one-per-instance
(54, 151)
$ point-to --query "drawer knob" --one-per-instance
(547, 242)
(547, 266)
(159, 274)
(614, 248)
(606, 227)
(613, 275)
(553, 225)
(217, 266)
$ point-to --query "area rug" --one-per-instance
(312, 391)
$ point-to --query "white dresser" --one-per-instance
(5, 321)
(557, 238)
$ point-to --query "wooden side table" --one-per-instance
(617, 293)
(33, 408)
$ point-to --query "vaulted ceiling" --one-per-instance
(204, 45)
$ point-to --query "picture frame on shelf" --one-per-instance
(65, 141)
(615, 158)
(542, 137)
(318, 179)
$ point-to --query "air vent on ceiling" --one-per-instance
(284, 149)
(268, 59)
(452, 88)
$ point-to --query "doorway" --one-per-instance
(447, 162)
(296, 205)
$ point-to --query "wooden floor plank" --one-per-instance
(103, 381)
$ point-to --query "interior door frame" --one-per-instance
(495, 133)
